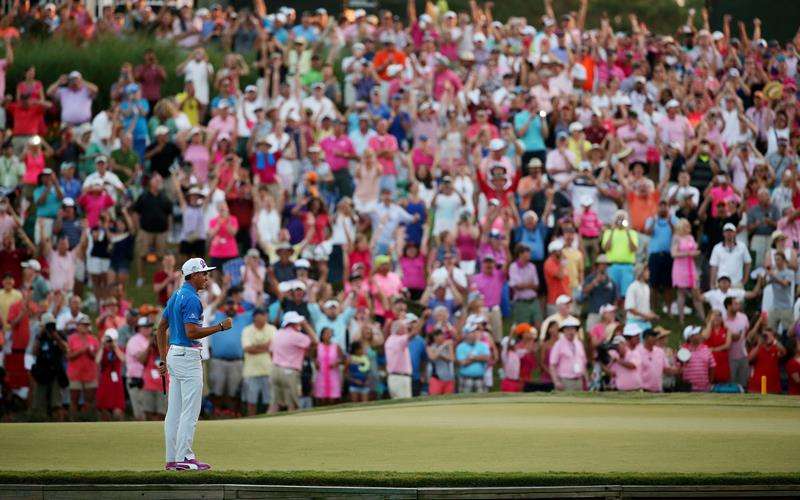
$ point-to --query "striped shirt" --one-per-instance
(695, 371)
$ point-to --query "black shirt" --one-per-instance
(161, 161)
(154, 212)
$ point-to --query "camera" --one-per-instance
(603, 351)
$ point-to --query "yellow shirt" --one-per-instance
(574, 265)
(620, 252)
(190, 107)
(6, 300)
(579, 148)
(257, 365)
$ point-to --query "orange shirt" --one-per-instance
(388, 56)
(555, 285)
(641, 208)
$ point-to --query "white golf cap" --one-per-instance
(410, 318)
(284, 286)
(251, 88)
(570, 322)
(68, 202)
(144, 321)
(298, 285)
(632, 330)
(607, 308)
(672, 103)
(563, 299)
(555, 246)
(575, 127)
(690, 331)
(162, 130)
(394, 69)
(291, 318)
(729, 227)
(330, 303)
(111, 333)
(497, 144)
(302, 264)
(586, 201)
(478, 37)
(74, 74)
(32, 264)
(195, 265)
(617, 340)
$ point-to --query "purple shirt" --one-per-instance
(523, 275)
(490, 286)
(76, 105)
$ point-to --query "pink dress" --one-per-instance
(684, 273)
(328, 383)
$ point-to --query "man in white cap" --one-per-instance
(568, 358)
(288, 347)
(730, 257)
(555, 275)
(330, 314)
(698, 370)
(675, 127)
(563, 312)
(625, 362)
(183, 317)
(74, 96)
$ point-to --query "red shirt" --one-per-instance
(21, 334)
(27, 119)
(555, 286)
(83, 368)
(793, 368)
(159, 277)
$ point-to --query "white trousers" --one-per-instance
(399, 386)
(184, 401)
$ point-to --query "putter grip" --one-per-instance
(164, 385)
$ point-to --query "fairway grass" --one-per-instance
(516, 436)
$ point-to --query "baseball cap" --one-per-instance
(497, 144)
(291, 318)
(74, 74)
(297, 285)
(302, 264)
(570, 322)
(32, 264)
(631, 330)
(673, 103)
(162, 130)
(251, 88)
(563, 299)
(690, 331)
(330, 303)
(575, 127)
(607, 308)
(83, 320)
(144, 321)
(729, 227)
(100, 159)
(111, 333)
(195, 265)
(555, 246)
(617, 340)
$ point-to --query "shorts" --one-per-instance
(47, 396)
(284, 385)
(255, 387)
(153, 402)
(147, 242)
(196, 248)
(97, 265)
(471, 384)
(137, 404)
(660, 265)
(358, 389)
(225, 376)
(526, 311)
(436, 386)
(77, 385)
(120, 266)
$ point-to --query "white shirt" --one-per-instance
(111, 182)
(637, 297)
(246, 112)
(319, 107)
(198, 72)
(716, 297)
(730, 261)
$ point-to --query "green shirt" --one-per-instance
(311, 77)
(11, 171)
(128, 159)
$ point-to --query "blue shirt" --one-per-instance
(532, 139)
(465, 350)
(228, 344)
(71, 188)
(338, 325)
(661, 239)
(416, 350)
(183, 307)
(51, 203)
(135, 111)
(533, 239)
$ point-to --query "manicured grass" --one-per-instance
(499, 439)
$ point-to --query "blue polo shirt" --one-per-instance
(228, 344)
(416, 350)
(661, 239)
(338, 325)
(183, 307)
(465, 350)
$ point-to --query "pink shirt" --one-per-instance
(222, 125)
(398, 360)
(490, 286)
(626, 379)
(695, 371)
(720, 194)
(628, 135)
(199, 157)
(83, 368)
(388, 285)
(739, 324)
(589, 225)
(386, 142)
(94, 204)
(62, 270)
(223, 245)
(333, 147)
(568, 358)
(133, 349)
(651, 369)
(413, 271)
(288, 347)
(676, 129)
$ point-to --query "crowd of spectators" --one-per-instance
(398, 207)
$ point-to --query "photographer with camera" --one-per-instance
(620, 244)
(110, 389)
(49, 349)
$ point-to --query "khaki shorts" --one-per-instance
(153, 402)
(75, 385)
(137, 405)
(225, 376)
(145, 242)
(285, 387)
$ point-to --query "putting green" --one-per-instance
(522, 433)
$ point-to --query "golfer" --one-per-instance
(183, 316)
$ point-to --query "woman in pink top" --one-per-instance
(94, 201)
(721, 192)
(34, 158)
(328, 382)
(412, 265)
(222, 232)
(684, 272)
(197, 153)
